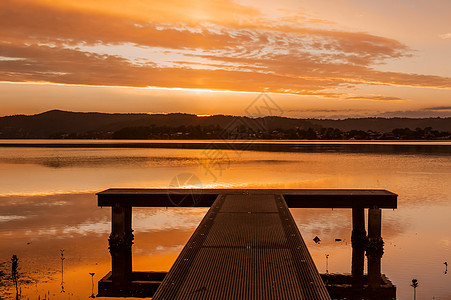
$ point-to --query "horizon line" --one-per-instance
(201, 115)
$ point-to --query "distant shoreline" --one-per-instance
(353, 146)
(72, 125)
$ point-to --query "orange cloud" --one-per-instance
(192, 12)
(216, 45)
(374, 98)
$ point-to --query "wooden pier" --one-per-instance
(246, 247)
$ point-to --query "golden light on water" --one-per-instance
(40, 223)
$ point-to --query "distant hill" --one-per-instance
(60, 124)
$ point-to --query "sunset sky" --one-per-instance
(323, 58)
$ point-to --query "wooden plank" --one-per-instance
(160, 191)
(295, 198)
(246, 247)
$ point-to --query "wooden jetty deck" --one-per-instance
(246, 247)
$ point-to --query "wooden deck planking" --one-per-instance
(246, 247)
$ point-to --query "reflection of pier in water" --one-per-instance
(248, 246)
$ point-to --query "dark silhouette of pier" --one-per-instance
(248, 245)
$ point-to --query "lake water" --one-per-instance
(48, 203)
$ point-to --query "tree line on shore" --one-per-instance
(242, 133)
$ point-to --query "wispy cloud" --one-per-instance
(374, 98)
(445, 36)
(438, 108)
(420, 113)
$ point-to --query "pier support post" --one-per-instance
(358, 239)
(120, 244)
(375, 247)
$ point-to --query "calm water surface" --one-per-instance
(48, 203)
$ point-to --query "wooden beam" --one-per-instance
(295, 198)
(375, 248)
(358, 240)
(120, 244)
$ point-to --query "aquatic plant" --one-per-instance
(15, 274)
(414, 285)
